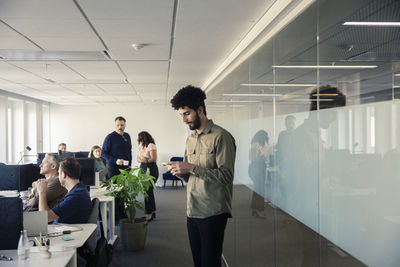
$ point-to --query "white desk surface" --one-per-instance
(79, 237)
(57, 259)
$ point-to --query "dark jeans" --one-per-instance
(206, 237)
(119, 207)
(150, 202)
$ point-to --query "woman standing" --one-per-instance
(147, 157)
(258, 156)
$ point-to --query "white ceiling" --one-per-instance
(53, 49)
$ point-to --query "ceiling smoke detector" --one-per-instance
(137, 47)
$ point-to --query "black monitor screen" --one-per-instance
(81, 154)
(87, 171)
(28, 173)
(66, 155)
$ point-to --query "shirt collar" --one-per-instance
(207, 128)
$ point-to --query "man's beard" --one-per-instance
(196, 123)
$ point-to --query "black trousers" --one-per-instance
(150, 202)
(119, 207)
(206, 237)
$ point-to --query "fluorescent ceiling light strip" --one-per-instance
(236, 101)
(398, 75)
(396, 86)
(310, 100)
(252, 94)
(239, 53)
(372, 23)
(325, 94)
(278, 84)
(325, 67)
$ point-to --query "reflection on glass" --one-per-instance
(258, 156)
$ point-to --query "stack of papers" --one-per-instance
(61, 228)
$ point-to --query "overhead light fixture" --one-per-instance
(225, 106)
(325, 67)
(325, 94)
(372, 23)
(137, 47)
(280, 14)
(236, 101)
(396, 86)
(252, 94)
(278, 84)
(397, 75)
(310, 100)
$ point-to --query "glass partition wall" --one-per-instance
(315, 116)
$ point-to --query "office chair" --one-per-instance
(94, 215)
(168, 175)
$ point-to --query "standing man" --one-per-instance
(117, 151)
(208, 169)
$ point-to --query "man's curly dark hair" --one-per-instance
(189, 96)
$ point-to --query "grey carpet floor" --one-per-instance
(276, 240)
(167, 242)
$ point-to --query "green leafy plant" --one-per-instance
(127, 186)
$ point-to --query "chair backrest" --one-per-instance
(11, 222)
(94, 215)
(176, 159)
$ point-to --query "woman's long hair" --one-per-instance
(91, 155)
(145, 138)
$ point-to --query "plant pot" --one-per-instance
(133, 234)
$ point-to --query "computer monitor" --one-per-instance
(28, 173)
(87, 171)
(81, 154)
(67, 155)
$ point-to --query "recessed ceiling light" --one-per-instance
(372, 23)
(252, 94)
(278, 84)
(137, 47)
(396, 86)
(325, 67)
(397, 75)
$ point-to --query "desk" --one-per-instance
(62, 258)
(63, 252)
(107, 203)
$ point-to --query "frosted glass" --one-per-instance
(333, 177)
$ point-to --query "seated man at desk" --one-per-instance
(76, 205)
(55, 192)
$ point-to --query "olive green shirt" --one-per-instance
(209, 188)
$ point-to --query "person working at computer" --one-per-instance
(62, 148)
(95, 153)
(76, 205)
(55, 192)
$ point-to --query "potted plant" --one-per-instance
(127, 186)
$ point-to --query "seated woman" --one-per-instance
(99, 163)
(147, 157)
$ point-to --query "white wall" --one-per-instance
(82, 127)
